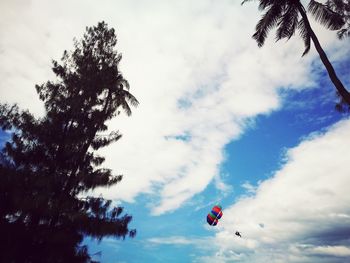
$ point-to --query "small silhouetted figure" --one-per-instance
(238, 234)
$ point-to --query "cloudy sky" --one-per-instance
(220, 121)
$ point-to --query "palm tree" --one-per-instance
(290, 15)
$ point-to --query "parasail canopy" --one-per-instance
(214, 215)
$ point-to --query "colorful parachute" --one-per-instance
(214, 216)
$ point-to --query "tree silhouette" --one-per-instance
(49, 165)
(290, 15)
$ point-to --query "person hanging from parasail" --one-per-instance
(214, 215)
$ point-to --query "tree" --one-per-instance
(290, 15)
(49, 166)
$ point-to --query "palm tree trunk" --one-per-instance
(331, 72)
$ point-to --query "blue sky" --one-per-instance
(219, 121)
(254, 157)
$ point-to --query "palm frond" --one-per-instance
(266, 3)
(131, 99)
(287, 23)
(342, 7)
(337, 5)
(343, 33)
(266, 23)
(325, 15)
(244, 1)
(123, 100)
(263, 3)
(305, 35)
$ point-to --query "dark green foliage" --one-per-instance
(49, 163)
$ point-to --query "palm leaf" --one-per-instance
(123, 99)
(305, 35)
(342, 7)
(325, 15)
(263, 3)
(287, 23)
(266, 3)
(337, 5)
(244, 1)
(343, 33)
(266, 23)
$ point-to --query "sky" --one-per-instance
(220, 121)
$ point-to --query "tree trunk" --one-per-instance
(331, 72)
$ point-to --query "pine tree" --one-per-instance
(50, 163)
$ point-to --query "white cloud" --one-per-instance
(304, 208)
(175, 240)
(202, 243)
(338, 251)
(222, 186)
(192, 65)
(251, 189)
